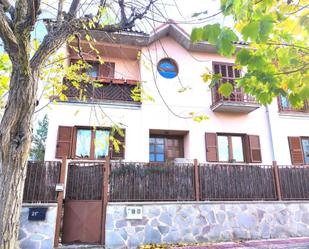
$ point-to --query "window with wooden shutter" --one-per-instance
(254, 149)
(107, 69)
(64, 142)
(165, 147)
(296, 151)
(121, 153)
(211, 147)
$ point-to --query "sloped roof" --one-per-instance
(170, 29)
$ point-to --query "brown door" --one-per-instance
(82, 220)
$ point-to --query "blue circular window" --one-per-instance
(167, 68)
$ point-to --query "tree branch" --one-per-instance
(53, 41)
(134, 16)
(60, 9)
(286, 45)
(123, 17)
(7, 7)
(304, 67)
(7, 36)
(73, 8)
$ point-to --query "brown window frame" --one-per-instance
(301, 141)
(165, 146)
(92, 144)
(291, 109)
(110, 64)
(230, 146)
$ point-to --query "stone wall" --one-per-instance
(205, 222)
(37, 234)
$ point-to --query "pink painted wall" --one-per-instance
(155, 115)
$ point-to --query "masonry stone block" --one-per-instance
(152, 235)
(114, 239)
(208, 222)
(166, 218)
(37, 234)
(247, 221)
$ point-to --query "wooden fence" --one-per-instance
(294, 182)
(168, 182)
(143, 182)
(41, 180)
(236, 182)
(84, 181)
(207, 182)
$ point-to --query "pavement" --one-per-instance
(290, 243)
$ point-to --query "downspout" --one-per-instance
(270, 134)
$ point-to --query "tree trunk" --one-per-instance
(15, 141)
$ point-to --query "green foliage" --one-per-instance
(276, 60)
(5, 68)
(222, 38)
(226, 89)
(37, 151)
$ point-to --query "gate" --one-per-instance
(85, 203)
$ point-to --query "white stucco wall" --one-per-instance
(283, 126)
(155, 115)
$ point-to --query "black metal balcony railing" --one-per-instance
(103, 89)
(238, 95)
(285, 106)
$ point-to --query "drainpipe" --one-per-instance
(270, 134)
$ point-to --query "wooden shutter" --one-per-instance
(297, 156)
(211, 147)
(64, 141)
(107, 69)
(174, 148)
(120, 154)
(253, 148)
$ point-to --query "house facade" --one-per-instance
(169, 68)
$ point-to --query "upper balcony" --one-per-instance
(106, 90)
(286, 108)
(237, 102)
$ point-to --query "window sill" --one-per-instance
(294, 114)
(111, 104)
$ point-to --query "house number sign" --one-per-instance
(36, 214)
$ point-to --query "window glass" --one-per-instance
(223, 148)
(305, 143)
(160, 158)
(160, 148)
(284, 101)
(151, 148)
(160, 140)
(238, 154)
(151, 157)
(83, 142)
(101, 143)
(93, 70)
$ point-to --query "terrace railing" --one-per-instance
(237, 96)
(102, 90)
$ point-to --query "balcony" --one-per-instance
(285, 107)
(103, 90)
(237, 102)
